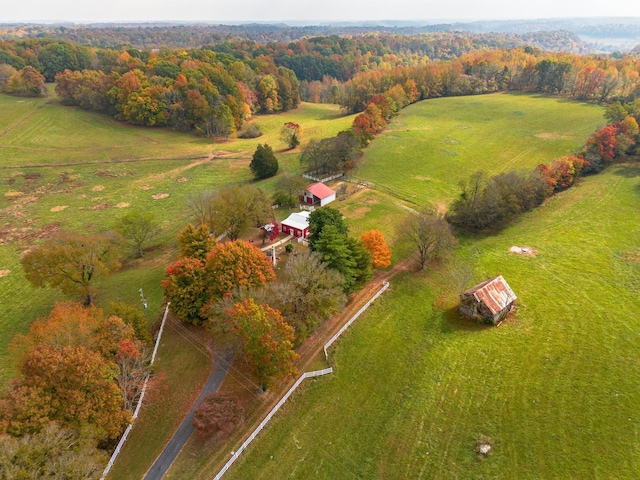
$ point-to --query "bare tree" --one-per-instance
(431, 234)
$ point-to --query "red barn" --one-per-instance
(296, 224)
(318, 194)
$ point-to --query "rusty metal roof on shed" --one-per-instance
(495, 293)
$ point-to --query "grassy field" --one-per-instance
(64, 168)
(434, 145)
(554, 387)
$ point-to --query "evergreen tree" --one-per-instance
(264, 163)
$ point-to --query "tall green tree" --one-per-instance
(264, 163)
(235, 208)
(321, 218)
(138, 228)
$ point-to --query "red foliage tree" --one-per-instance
(186, 289)
(218, 414)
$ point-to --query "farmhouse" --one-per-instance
(296, 224)
(489, 301)
(318, 195)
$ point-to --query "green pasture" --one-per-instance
(65, 168)
(435, 144)
(555, 387)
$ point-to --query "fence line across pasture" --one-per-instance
(304, 376)
(125, 435)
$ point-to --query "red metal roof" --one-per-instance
(495, 293)
(320, 190)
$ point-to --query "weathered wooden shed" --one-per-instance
(489, 301)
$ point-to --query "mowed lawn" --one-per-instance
(555, 387)
(435, 144)
(62, 168)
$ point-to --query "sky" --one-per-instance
(313, 11)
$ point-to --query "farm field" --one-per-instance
(554, 387)
(62, 168)
(435, 144)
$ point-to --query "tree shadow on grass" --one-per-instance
(628, 170)
(454, 321)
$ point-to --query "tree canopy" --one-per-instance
(72, 262)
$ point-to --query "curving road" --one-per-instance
(221, 360)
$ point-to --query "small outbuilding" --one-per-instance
(296, 224)
(489, 301)
(318, 195)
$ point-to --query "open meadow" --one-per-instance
(432, 146)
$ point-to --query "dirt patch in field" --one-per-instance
(106, 174)
(553, 136)
(527, 251)
(223, 154)
(122, 205)
(359, 212)
(97, 188)
(101, 206)
(146, 187)
(25, 233)
(4, 273)
(632, 257)
(159, 196)
(176, 172)
(59, 208)
(452, 141)
(82, 197)
(182, 179)
(13, 194)
(462, 127)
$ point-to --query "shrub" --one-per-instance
(252, 131)
(218, 414)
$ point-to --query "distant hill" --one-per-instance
(150, 36)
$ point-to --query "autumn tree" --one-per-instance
(236, 264)
(430, 234)
(72, 262)
(291, 134)
(134, 317)
(195, 242)
(264, 163)
(53, 452)
(186, 288)
(267, 341)
(138, 227)
(287, 189)
(217, 415)
(71, 385)
(373, 240)
(132, 359)
(235, 208)
(308, 293)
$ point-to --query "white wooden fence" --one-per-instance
(125, 435)
(293, 388)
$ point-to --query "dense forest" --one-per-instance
(154, 36)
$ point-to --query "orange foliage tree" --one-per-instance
(373, 240)
(71, 385)
(237, 264)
